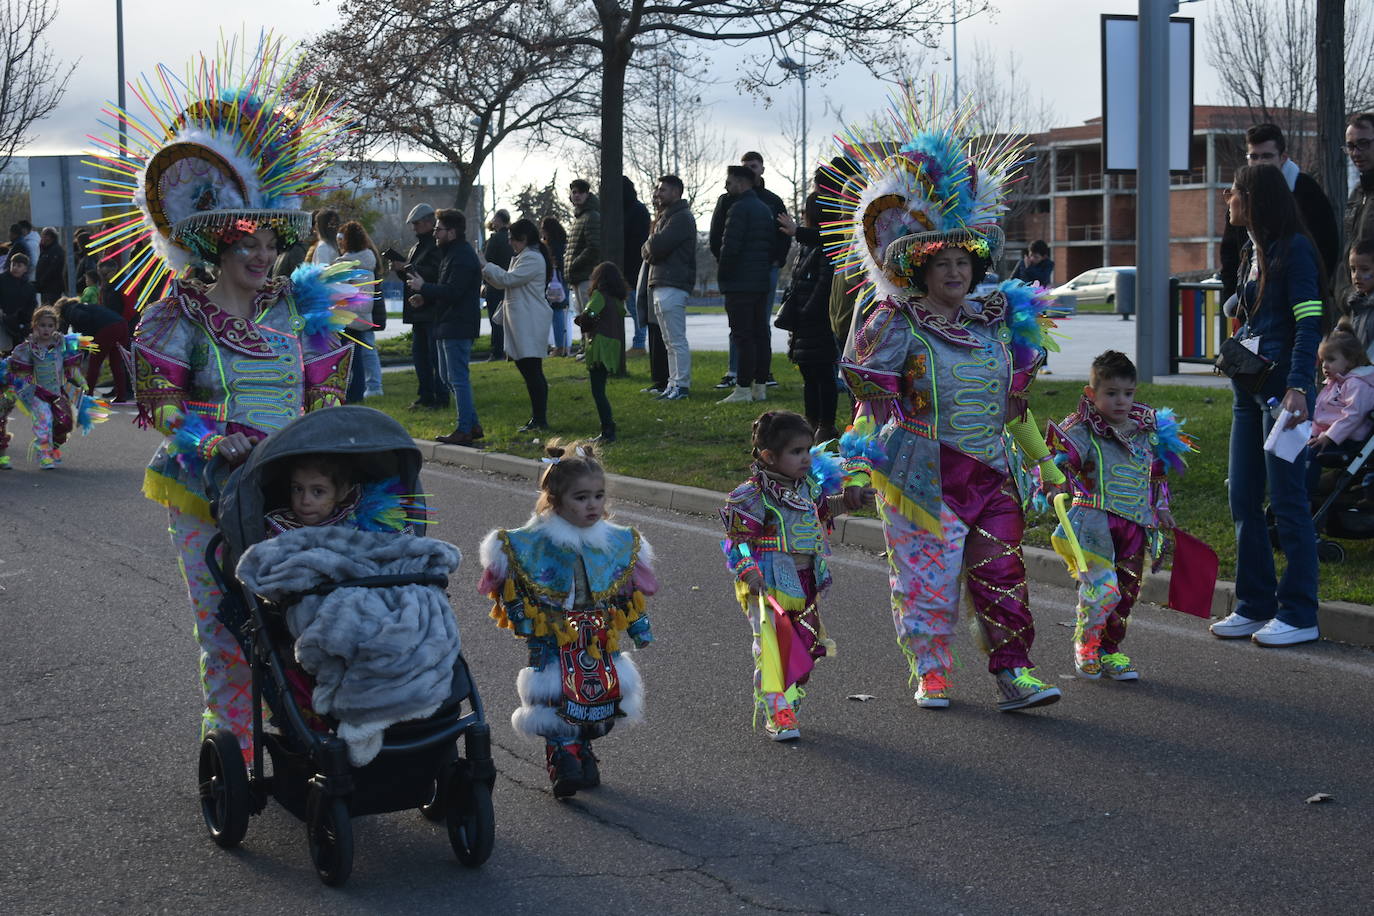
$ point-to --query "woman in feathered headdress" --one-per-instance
(940, 378)
(216, 174)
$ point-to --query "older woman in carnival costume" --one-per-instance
(940, 377)
(217, 177)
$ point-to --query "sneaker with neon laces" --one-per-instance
(46, 464)
(934, 691)
(57, 456)
(5, 464)
(1087, 662)
(783, 725)
(1021, 689)
(1118, 667)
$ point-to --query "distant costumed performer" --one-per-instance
(216, 173)
(940, 377)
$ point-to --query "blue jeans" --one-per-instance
(641, 329)
(1259, 594)
(560, 328)
(454, 355)
(371, 360)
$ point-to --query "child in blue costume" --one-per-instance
(572, 585)
(1115, 452)
(776, 542)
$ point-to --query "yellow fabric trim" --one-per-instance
(169, 493)
(894, 497)
(1065, 550)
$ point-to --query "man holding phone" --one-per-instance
(423, 261)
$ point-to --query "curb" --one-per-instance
(1340, 621)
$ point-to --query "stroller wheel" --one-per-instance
(224, 795)
(329, 832)
(1330, 552)
(471, 820)
(434, 809)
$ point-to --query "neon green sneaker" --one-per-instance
(5, 464)
(1021, 689)
(1087, 662)
(1118, 667)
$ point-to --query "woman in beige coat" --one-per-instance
(525, 314)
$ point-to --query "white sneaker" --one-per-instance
(1277, 633)
(738, 396)
(1235, 626)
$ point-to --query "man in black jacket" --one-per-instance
(782, 242)
(744, 272)
(498, 252)
(18, 296)
(423, 259)
(111, 334)
(1359, 209)
(636, 231)
(1264, 145)
(457, 300)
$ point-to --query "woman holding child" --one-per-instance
(218, 367)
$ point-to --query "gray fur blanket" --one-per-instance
(378, 655)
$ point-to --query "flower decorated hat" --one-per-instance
(915, 184)
(236, 145)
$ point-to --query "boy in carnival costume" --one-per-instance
(1116, 452)
(940, 379)
(217, 174)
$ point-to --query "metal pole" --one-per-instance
(119, 66)
(954, 31)
(1152, 193)
(806, 163)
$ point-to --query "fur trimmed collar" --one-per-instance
(564, 534)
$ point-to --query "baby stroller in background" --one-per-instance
(1342, 506)
(419, 765)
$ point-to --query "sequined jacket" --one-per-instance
(251, 377)
(770, 523)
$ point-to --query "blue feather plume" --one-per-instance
(826, 470)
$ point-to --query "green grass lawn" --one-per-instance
(701, 443)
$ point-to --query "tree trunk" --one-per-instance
(616, 61)
(1331, 109)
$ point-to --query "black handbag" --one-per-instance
(1247, 369)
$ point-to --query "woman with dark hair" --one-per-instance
(555, 239)
(355, 245)
(1279, 301)
(525, 313)
(805, 313)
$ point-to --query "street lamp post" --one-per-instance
(801, 70)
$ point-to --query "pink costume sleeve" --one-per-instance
(1159, 485)
(326, 375)
(644, 579)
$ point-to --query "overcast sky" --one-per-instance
(1057, 44)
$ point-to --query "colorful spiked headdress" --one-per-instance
(912, 184)
(234, 146)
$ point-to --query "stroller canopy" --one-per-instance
(383, 447)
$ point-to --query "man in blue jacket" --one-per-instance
(457, 302)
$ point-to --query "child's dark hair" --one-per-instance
(607, 278)
(569, 463)
(92, 277)
(1111, 364)
(773, 430)
(1364, 247)
(337, 468)
(1344, 343)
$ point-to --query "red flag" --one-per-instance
(1194, 576)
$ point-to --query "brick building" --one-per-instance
(1088, 218)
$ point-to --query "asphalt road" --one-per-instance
(1183, 793)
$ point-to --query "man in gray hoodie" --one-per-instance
(671, 253)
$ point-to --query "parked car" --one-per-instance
(1092, 287)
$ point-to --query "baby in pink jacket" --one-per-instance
(1341, 416)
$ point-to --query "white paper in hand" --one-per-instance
(1288, 443)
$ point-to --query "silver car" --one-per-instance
(1092, 287)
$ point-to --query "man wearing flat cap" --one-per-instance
(419, 313)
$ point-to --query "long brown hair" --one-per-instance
(1273, 217)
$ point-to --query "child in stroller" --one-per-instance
(370, 622)
(1342, 422)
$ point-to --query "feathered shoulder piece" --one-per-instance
(826, 470)
(1031, 314)
(330, 296)
(383, 506)
(1171, 443)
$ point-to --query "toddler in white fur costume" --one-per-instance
(572, 585)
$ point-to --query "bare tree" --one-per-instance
(1265, 56)
(866, 31)
(32, 82)
(667, 129)
(416, 79)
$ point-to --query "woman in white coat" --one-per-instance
(525, 314)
